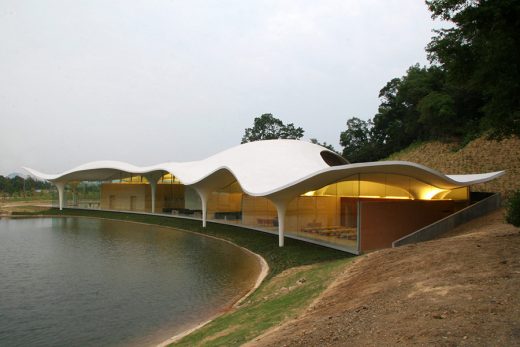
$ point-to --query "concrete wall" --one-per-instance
(440, 227)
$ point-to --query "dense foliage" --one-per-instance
(21, 186)
(267, 127)
(513, 209)
(471, 88)
(323, 144)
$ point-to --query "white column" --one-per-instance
(281, 209)
(153, 186)
(203, 194)
(61, 193)
(204, 210)
(152, 179)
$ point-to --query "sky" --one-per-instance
(148, 81)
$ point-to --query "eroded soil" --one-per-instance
(462, 289)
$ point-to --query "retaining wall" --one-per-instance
(444, 225)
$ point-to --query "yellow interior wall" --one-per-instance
(169, 196)
(122, 194)
(389, 186)
(224, 202)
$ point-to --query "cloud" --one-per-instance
(152, 81)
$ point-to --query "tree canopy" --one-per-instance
(471, 88)
(267, 127)
(20, 186)
(481, 55)
(324, 144)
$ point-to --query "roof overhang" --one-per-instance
(278, 169)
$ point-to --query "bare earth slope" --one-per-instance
(462, 289)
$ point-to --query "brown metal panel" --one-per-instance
(385, 221)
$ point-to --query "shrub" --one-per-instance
(513, 209)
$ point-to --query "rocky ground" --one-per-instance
(461, 289)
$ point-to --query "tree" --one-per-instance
(471, 88)
(513, 209)
(481, 56)
(413, 108)
(324, 144)
(267, 127)
(357, 141)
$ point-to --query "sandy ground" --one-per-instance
(461, 289)
(6, 207)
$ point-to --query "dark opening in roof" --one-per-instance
(333, 159)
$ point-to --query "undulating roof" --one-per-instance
(272, 168)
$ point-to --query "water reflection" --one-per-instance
(91, 282)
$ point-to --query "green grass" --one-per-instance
(276, 300)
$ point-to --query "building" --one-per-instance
(294, 188)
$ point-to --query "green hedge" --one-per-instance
(513, 209)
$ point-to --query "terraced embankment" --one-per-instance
(478, 156)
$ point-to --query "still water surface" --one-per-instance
(92, 282)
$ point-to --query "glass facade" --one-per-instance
(329, 215)
(84, 194)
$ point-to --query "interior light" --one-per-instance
(430, 193)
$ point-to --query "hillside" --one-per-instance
(458, 290)
(478, 156)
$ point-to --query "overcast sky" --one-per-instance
(154, 81)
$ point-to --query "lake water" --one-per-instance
(93, 282)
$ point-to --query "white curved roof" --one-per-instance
(270, 168)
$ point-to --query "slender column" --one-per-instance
(203, 194)
(204, 199)
(153, 178)
(153, 186)
(61, 193)
(281, 209)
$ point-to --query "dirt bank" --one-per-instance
(462, 289)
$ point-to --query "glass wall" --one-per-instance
(83, 194)
(330, 214)
(226, 204)
(327, 215)
(87, 194)
(259, 212)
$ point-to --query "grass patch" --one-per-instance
(282, 297)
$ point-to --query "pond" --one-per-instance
(94, 282)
